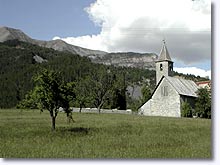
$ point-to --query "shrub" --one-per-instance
(186, 110)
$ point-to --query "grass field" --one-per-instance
(27, 134)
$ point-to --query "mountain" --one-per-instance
(129, 59)
(126, 59)
(7, 33)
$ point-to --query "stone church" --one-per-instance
(170, 91)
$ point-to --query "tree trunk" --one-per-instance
(80, 109)
(53, 122)
(99, 109)
(67, 117)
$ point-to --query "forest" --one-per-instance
(18, 66)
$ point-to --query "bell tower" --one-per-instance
(164, 64)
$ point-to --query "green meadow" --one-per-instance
(27, 134)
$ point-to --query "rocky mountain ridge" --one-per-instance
(126, 59)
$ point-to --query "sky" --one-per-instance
(119, 25)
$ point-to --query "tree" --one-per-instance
(47, 89)
(67, 91)
(203, 103)
(118, 92)
(186, 110)
(146, 94)
(83, 93)
(102, 83)
(28, 102)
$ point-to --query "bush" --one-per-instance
(203, 103)
(186, 110)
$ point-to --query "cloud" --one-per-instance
(94, 42)
(140, 26)
(195, 71)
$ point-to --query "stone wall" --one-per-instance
(95, 110)
(160, 105)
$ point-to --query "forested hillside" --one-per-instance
(19, 61)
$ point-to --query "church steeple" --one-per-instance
(164, 64)
(164, 54)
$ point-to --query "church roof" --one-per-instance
(183, 87)
(164, 54)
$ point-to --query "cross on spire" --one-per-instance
(164, 54)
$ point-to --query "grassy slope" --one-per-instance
(27, 134)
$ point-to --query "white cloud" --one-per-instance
(140, 25)
(56, 38)
(94, 42)
(195, 71)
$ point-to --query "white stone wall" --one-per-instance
(160, 105)
(146, 109)
(166, 105)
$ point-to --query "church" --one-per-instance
(170, 92)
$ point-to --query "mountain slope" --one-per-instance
(129, 59)
(19, 61)
(126, 59)
(7, 33)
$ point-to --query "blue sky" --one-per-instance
(43, 19)
(114, 26)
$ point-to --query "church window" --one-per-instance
(164, 91)
(161, 67)
(171, 67)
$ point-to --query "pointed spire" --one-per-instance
(164, 54)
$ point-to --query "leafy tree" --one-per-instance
(102, 83)
(83, 90)
(118, 99)
(29, 101)
(67, 95)
(134, 105)
(203, 103)
(186, 110)
(146, 94)
(48, 92)
(118, 94)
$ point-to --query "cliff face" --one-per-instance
(126, 59)
(129, 59)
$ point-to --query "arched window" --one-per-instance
(161, 67)
(170, 67)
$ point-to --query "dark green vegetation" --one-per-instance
(203, 103)
(203, 106)
(190, 77)
(17, 67)
(26, 134)
(186, 110)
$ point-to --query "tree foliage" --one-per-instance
(83, 91)
(146, 94)
(203, 103)
(67, 95)
(47, 89)
(17, 67)
(102, 84)
(186, 110)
